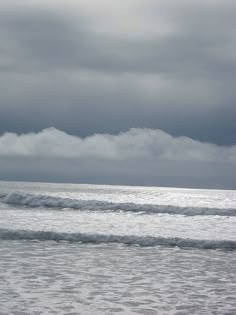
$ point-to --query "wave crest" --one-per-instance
(6, 234)
(31, 200)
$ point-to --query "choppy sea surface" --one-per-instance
(92, 249)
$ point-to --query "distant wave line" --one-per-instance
(31, 200)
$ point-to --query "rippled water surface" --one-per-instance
(90, 249)
(66, 278)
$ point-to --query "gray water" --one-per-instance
(63, 253)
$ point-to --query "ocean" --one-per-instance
(96, 249)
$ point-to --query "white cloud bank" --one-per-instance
(136, 157)
(135, 143)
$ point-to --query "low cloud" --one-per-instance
(138, 156)
(135, 143)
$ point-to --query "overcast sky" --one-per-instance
(154, 80)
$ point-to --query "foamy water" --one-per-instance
(90, 249)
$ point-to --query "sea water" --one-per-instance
(92, 249)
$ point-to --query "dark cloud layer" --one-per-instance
(56, 69)
(177, 174)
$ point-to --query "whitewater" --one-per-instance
(96, 249)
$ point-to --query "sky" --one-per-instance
(136, 92)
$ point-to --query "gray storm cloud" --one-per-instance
(154, 64)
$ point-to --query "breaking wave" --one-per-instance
(31, 200)
(6, 234)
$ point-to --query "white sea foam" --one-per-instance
(31, 200)
(7, 234)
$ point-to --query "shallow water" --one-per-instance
(72, 278)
